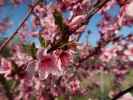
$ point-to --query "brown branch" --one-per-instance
(120, 94)
(92, 12)
(22, 23)
(102, 43)
(97, 50)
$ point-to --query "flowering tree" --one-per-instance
(59, 66)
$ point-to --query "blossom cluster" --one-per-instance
(61, 67)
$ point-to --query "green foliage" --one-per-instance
(30, 49)
(60, 98)
(64, 30)
(59, 19)
(73, 98)
(79, 98)
(43, 42)
(6, 52)
(128, 80)
(7, 83)
(7, 86)
(16, 39)
(98, 87)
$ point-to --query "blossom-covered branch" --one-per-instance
(22, 23)
(45, 61)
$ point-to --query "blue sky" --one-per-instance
(18, 13)
(94, 37)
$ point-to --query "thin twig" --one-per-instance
(101, 43)
(97, 50)
(92, 12)
(22, 23)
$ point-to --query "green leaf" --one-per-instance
(30, 49)
(63, 29)
(7, 86)
(7, 83)
(128, 80)
(16, 39)
(43, 42)
(6, 52)
(58, 19)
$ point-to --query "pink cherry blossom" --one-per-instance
(5, 24)
(108, 6)
(65, 58)
(74, 86)
(2, 2)
(81, 29)
(106, 55)
(31, 68)
(127, 96)
(129, 9)
(129, 52)
(59, 65)
(40, 10)
(76, 20)
(34, 34)
(5, 66)
(50, 28)
(48, 64)
(84, 50)
(21, 58)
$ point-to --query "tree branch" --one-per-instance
(120, 94)
(97, 50)
(92, 12)
(102, 43)
(22, 23)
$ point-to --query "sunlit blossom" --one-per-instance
(129, 10)
(5, 66)
(65, 58)
(48, 64)
(127, 96)
(62, 64)
(129, 52)
(74, 85)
